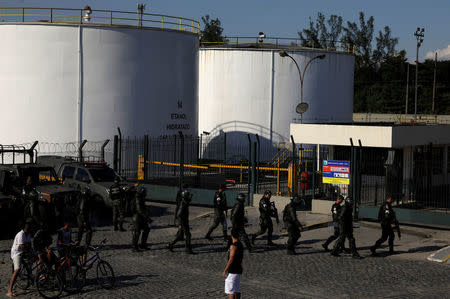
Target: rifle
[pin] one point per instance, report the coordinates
(274, 211)
(397, 226)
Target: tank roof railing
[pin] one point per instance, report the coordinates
(97, 17)
(276, 42)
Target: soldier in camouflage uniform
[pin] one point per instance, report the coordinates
(335, 212)
(220, 210)
(292, 224)
(183, 223)
(346, 230)
(387, 218)
(238, 220)
(140, 220)
(117, 195)
(265, 218)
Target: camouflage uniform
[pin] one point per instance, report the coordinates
(118, 199)
(140, 220)
(220, 208)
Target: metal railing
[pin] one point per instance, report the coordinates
(284, 42)
(97, 17)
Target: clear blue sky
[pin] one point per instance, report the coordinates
(286, 17)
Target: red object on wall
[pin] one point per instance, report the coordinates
(304, 179)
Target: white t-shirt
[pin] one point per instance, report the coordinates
(21, 239)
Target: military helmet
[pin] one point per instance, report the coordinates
(341, 197)
(349, 201)
(86, 191)
(116, 179)
(268, 192)
(296, 199)
(186, 195)
(240, 197)
(141, 191)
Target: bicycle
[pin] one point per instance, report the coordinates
(69, 269)
(104, 271)
(47, 281)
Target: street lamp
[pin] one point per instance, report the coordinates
(419, 36)
(302, 107)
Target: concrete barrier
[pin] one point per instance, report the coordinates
(321, 206)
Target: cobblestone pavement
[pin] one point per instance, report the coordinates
(268, 272)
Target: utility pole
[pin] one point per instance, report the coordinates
(434, 83)
(419, 36)
(407, 89)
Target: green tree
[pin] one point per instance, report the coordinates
(212, 31)
(322, 33)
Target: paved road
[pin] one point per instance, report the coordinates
(268, 272)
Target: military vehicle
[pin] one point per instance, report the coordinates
(55, 200)
(98, 176)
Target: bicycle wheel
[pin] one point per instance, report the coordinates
(71, 278)
(105, 275)
(49, 283)
(23, 279)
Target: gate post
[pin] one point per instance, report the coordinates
(253, 189)
(145, 157)
(181, 179)
(248, 170)
(116, 153)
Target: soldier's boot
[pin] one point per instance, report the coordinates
(144, 239)
(375, 246)
(225, 235)
(188, 248)
(208, 235)
(355, 253)
(269, 239)
(247, 242)
(391, 246)
(134, 241)
(116, 227)
(336, 248)
(290, 250)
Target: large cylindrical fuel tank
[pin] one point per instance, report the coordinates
(64, 83)
(256, 91)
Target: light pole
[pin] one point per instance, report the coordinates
(302, 77)
(419, 36)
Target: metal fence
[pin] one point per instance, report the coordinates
(417, 178)
(201, 163)
(97, 17)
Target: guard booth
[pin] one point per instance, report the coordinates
(407, 162)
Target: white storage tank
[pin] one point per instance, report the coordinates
(246, 90)
(63, 82)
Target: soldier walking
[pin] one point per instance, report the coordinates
(117, 195)
(388, 219)
(292, 224)
(238, 220)
(140, 220)
(335, 212)
(178, 202)
(346, 230)
(220, 210)
(183, 223)
(266, 212)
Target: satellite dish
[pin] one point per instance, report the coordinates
(302, 108)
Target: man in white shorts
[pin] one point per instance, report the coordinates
(234, 267)
(22, 243)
